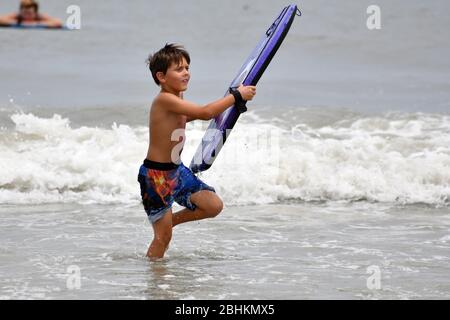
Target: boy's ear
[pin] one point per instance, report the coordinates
(161, 77)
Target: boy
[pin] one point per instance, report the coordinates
(162, 177)
(29, 15)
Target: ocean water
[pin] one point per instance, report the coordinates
(340, 167)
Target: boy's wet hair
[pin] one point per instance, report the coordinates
(161, 60)
(29, 4)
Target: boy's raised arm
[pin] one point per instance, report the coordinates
(207, 112)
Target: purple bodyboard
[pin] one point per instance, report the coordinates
(249, 74)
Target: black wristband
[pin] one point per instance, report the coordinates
(239, 102)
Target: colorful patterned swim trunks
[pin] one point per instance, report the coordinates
(163, 183)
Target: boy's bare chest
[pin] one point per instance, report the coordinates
(180, 121)
(168, 121)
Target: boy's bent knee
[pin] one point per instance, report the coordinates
(215, 207)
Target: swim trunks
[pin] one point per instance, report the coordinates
(163, 183)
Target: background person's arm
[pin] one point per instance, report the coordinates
(48, 21)
(8, 20)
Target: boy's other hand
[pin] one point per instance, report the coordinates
(247, 92)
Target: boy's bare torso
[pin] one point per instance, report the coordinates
(164, 136)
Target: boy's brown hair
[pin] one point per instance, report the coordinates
(161, 60)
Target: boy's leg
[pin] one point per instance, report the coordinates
(162, 236)
(208, 205)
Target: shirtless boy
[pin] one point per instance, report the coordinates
(163, 178)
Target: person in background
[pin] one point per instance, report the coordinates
(29, 15)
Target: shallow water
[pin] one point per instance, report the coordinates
(291, 251)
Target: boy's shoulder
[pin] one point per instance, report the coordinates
(164, 98)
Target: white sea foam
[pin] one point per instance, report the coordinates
(392, 158)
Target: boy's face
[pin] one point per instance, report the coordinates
(177, 76)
